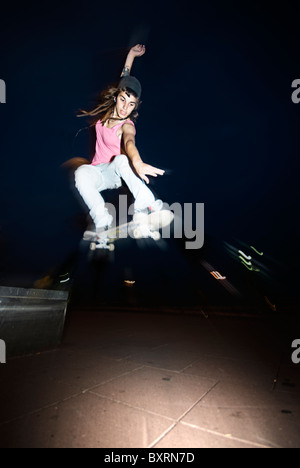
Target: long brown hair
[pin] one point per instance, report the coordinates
(106, 104)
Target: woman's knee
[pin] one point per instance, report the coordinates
(121, 161)
(85, 174)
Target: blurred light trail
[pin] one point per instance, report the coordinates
(217, 275)
(259, 253)
(225, 283)
(244, 255)
(245, 261)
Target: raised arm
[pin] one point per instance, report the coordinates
(137, 51)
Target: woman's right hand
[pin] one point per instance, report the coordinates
(138, 50)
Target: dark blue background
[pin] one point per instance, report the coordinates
(216, 113)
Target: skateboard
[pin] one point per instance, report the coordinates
(136, 229)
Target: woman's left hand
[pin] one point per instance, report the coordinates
(144, 169)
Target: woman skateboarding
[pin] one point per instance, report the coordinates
(116, 155)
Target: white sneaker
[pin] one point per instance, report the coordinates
(105, 223)
(156, 206)
(140, 217)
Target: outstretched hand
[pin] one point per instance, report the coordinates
(144, 169)
(138, 50)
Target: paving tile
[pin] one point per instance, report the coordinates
(261, 426)
(186, 437)
(163, 392)
(86, 421)
(149, 330)
(35, 381)
(166, 356)
(124, 379)
(289, 378)
(233, 394)
(249, 339)
(249, 413)
(238, 370)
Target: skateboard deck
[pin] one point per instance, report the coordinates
(136, 229)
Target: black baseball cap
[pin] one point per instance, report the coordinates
(132, 83)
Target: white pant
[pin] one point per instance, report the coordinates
(91, 180)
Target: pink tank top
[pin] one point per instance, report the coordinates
(108, 143)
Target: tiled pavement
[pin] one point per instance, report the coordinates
(124, 379)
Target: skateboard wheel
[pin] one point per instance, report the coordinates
(137, 233)
(111, 247)
(156, 235)
(93, 246)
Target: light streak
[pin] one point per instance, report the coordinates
(245, 261)
(64, 281)
(244, 255)
(226, 284)
(250, 268)
(217, 275)
(270, 303)
(129, 283)
(259, 253)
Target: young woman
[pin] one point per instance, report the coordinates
(115, 129)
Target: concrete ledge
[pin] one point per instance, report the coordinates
(31, 320)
